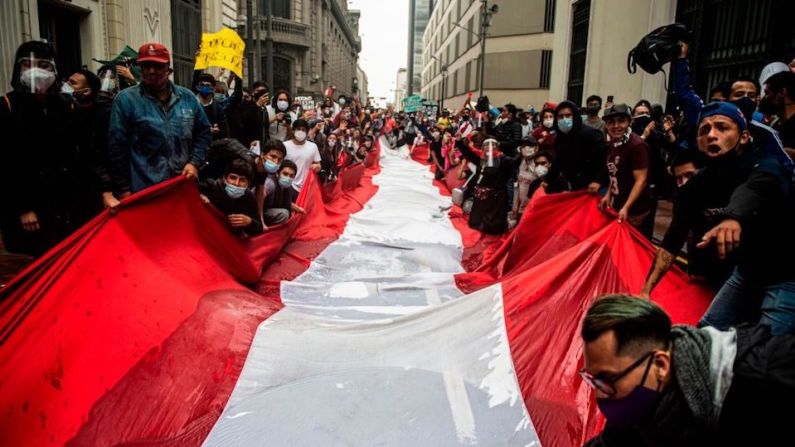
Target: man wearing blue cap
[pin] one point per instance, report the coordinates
(740, 204)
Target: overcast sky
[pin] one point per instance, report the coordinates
(384, 27)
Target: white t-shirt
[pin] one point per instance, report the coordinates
(303, 156)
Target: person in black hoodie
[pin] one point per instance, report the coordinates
(232, 196)
(204, 87)
(580, 151)
(37, 162)
(509, 131)
(740, 204)
(88, 131)
(100, 163)
(490, 207)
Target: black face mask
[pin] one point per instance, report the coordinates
(767, 106)
(593, 110)
(728, 161)
(639, 124)
(747, 106)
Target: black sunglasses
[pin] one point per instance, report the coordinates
(607, 384)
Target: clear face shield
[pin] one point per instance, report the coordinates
(110, 81)
(490, 147)
(36, 73)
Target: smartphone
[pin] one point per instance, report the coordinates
(610, 98)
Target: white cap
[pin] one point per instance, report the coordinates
(771, 69)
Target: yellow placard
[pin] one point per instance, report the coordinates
(222, 49)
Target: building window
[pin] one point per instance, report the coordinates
(734, 38)
(468, 76)
(186, 22)
(581, 11)
(549, 16)
(546, 69)
(280, 8)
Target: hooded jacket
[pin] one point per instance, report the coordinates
(581, 153)
(38, 164)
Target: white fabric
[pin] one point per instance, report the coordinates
(303, 155)
(722, 353)
(375, 345)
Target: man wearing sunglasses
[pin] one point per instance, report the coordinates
(663, 385)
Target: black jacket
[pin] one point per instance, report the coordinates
(509, 134)
(39, 172)
(752, 188)
(757, 410)
(247, 204)
(581, 154)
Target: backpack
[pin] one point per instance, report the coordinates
(658, 48)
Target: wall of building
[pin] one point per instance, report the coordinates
(105, 27)
(517, 53)
(611, 35)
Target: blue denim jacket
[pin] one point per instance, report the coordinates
(149, 143)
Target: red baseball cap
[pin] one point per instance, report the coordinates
(154, 52)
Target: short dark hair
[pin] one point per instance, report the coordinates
(546, 154)
(259, 84)
(511, 109)
(300, 122)
(780, 81)
(241, 167)
(638, 324)
(93, 81)
(746, 79)
(289, 164)
(205, 77)
(275, 145)
(685, 157)
(596, 98)
(642, 102)
(722, 87)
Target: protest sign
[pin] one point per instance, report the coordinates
(222, 49)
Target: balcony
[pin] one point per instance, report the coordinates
(287, 31)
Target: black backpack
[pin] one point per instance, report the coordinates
(483, 104)
(658, 48)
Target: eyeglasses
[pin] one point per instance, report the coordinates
(606, 384)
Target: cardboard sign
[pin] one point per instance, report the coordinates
(307, 102)
(222, 49)
(412, 104)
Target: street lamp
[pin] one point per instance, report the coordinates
(444, 76)
(485, 21)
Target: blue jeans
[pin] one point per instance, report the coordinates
(741, 300)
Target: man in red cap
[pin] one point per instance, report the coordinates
(158, 129)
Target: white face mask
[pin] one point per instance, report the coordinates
(67, 89)
(548, 123)
(300, 135)
(342, 101)
(332, 143)
(541, 171)
(282, 105)
(38, 80)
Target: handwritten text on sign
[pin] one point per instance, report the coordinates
(222, 49)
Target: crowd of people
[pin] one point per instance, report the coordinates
(726, 165)
(76, 146)
(83, 141)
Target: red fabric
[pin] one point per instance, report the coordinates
(135, 329)
(562, 255)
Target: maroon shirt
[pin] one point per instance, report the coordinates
(621, 161)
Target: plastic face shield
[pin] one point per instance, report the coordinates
(489, 147)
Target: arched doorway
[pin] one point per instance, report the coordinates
(282, 73)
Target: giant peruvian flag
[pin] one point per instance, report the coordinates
(354, 324)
